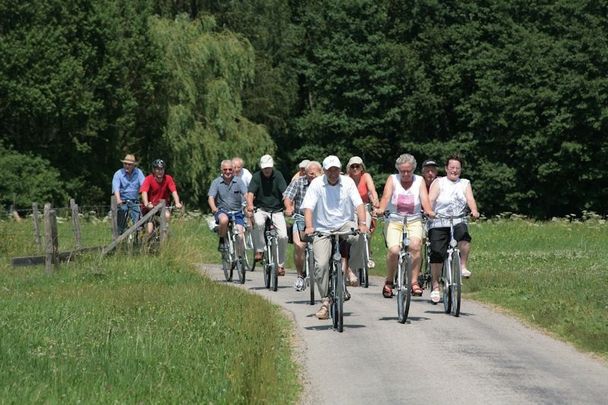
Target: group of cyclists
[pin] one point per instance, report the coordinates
(322, 199)
(129, 182)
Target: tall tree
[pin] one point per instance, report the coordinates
(207, 72)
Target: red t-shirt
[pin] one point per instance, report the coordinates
(158, 191)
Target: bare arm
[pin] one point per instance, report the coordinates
(144, 198)
(361, 214)
(371, 187)
(425, 201)
(308, 221)
(211, 202)
(386, 195)
(249, 204)
(471, 201)
(175, 196)
(288, 203)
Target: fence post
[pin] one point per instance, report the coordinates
(75, 222)
(114, 217)
(50, 236)
(164, 225)
(36, 220)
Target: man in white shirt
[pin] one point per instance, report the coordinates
(329, 205)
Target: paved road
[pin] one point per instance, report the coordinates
(482, 357)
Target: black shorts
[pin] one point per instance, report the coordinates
(440, 238)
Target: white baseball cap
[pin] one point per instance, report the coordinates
(304, 163)
(266, 161)
(331, 161)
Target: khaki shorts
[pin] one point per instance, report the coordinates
(394, 230)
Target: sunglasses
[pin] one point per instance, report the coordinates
(355, 166)
(227, 170)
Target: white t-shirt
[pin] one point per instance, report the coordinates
(406, 202)
(245, 176)
(332, 206)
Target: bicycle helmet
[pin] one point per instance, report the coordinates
(158, 163)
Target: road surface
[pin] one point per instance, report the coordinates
(481, 357)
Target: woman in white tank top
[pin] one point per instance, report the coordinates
(449, 195)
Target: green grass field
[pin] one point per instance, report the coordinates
(152, 329)
(145, 329)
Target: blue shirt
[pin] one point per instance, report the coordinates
(228, 196)
(127, 185)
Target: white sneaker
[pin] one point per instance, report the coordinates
(371, 264)
(465, 272)
(435, 296)
(299, 284)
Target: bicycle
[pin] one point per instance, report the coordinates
(451, 277)
(309, 261)
(270, 261)
(125, 222)
(403, 276)
(233, 250)
(337, 285)
(425, 278)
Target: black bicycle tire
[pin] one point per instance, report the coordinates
(340, 300)
(309, 262)
(241, 268)
(227, 265)
(456, 285)
(447, 289)
(275, 265)
(364, 272)
(404, 294)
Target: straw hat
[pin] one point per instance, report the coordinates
(129, 159)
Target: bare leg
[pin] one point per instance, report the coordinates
(465, 248)
(414, 250)
(392, 258)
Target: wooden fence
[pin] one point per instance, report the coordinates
(48, 244)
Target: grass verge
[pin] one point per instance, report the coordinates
(140, 329)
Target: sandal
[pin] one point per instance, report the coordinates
(387, 290)
(280, 271)
(353, 281)
(416, 290)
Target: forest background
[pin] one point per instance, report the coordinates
(518, 88)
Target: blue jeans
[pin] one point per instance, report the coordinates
(130, 208)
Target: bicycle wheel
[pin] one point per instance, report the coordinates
(227, 264)
(447, 286)
(240, 261)
(364, 271)
(275, 266)
(456, 286)
(309, 271)
(404, 293)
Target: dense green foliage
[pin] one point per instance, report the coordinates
(518, 88)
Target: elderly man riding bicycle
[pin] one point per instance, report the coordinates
(329, 205)
(227, 194)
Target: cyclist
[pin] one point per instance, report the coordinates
(301, 169)
(158, 186)
(227, 193)
(240, 171)
(265, 192)
(125, 187)
(404, 194)
(429, 172)
(367, 190)
(292, 199)
(450, 195)
(329, 205)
